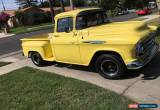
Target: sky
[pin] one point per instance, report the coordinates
(9, 4)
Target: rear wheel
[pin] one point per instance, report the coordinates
(37, 59)
(110, 66)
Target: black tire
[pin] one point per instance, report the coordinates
(110, 66)
(37, 59)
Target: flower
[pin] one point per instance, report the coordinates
(4, 17)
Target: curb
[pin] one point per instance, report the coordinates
(10, 54)
(6, 35)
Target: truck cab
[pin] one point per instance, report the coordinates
(87, 37)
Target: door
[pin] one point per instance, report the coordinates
(65, 42)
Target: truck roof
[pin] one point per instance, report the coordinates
(74, 12)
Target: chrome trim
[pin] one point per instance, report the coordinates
(94, 42)
(141, 63)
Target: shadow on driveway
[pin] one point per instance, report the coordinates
(149, 72)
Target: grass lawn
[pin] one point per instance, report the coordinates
(4, 63)
(31, 89)
(158, 39)
(25, 29)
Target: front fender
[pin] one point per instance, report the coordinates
(126, 53)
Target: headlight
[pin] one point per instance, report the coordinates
(139, 50)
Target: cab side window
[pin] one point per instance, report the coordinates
(65, 23)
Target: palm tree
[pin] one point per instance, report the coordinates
(158, 5)
(3, 5)
(62, 5)
(98, 1)
(52, 9)
(71, 4)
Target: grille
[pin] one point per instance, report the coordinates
(148, 45)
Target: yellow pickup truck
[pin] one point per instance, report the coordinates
(87, 37)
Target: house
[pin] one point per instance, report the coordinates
(31, 10)
(13, 21)
(57, 9)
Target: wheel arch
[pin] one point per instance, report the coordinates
(30, 52)
(99, 53)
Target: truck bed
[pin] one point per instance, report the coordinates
(43, 37)
(40, 44)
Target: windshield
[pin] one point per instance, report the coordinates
(92, 19)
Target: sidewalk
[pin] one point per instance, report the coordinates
(2, 35)
(141, 86)
(136, 88)
(149, 18)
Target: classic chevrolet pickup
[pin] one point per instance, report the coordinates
(87, 37)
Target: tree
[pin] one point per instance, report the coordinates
(158, 5)
(44, 4)
(132, 4)
(51, 2)
(26, 3)
(4, 8)
(109, 4)
(71, 4)
(98, 1)
(79, 3)
(62, 5)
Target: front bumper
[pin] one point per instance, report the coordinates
(141, 63)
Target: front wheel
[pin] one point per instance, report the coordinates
(37, 59)
(110, 66)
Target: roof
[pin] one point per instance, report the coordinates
(56, 8)
(31, 9)
(74, 12)
(10, 12)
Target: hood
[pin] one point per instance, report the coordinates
(125, 31)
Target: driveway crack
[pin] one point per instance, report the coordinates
(129, 87)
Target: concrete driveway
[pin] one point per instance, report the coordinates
(142, 86)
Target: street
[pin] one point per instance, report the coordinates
(124, 17)
(11, 44)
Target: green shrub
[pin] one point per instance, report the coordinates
(20, 16)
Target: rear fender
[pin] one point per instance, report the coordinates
(42, 47)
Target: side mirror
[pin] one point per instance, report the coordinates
(67, 29)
